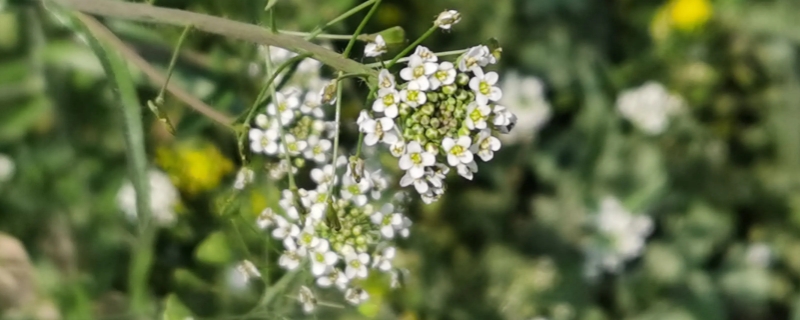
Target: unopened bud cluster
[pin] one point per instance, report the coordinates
(441, 115)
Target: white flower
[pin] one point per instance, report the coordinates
(379, 184)
(485, 145)
(412, 95)
(418, 71)
(285, 229)
(277, 55)
(292, 255)
(248, 270)
(388, 221)
(621, 236)
(478, 56)
(244, 177)
(483, 84)
(758, 255)
(356, 263)
(354, 191)
(649, 107)
(447, 19)
(356, 295)
(286, 103)
(467, 169)
(294, 146)
(324, 176)
(312, 105)
(163, 198)
(277, 172)
(445, 75)
(307, 239)
(420, 183)
(385, 79)
(378, 130)
(477, 115)
(322, 259)
(317, 149)
(307, 299)
(334, 277)
(377, 48)
(406, 228)
(263, 141)
(383, 260)
(266, 218)
(387, 102)
(362, 116)
(528, 109)
(398, 148)
(415, 160)
(7, 168)
(263, 121)
(457, 150)
(426, 54)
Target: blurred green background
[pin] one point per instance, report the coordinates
(720, 182)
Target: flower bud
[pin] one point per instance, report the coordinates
(410, 121)
(459, 113)
(432, 96)
(427, 109)
(464, 131)
(432, 134)
(449, 89)
(462, 79)
(462, 95)
(435, 123)
(425, 120)
(357, 230)
(431, 147)
(360, 240)
(299, 162)
(404, 110)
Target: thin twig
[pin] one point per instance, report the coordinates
(231, 29)
(155, 76)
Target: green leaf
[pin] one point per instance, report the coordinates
(392, 36)
(214, 249)
(174, 309)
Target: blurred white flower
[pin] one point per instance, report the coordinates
(307, 299)
(649, 107)
(163, 198)
(356, 295)
(376, 48)
(7, 168)
(524, 97)
(758, 255)
(244, 177)
(620, 236)
(447, 19)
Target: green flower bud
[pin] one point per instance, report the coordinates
(404, 110)
(442, 96)
(462, 95)
(410, 121)
(462, 79)
(449, 89)
(460, 113)
(299, 162)
(360, 240)
(425, 120)
(435, 123)
(357, 230)
(432, 134)
(427, 109)
(417, 129)
(463, 131)
(432, 147)
(432, 96)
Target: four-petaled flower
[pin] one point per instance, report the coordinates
(322, 259)
(356, 263)
(483, 84)
(477, 115)
(447, 19)
(485, 145)
(415, 160)
(376, 48)
(387, 102)
(457, 150)
(379, 130)
(418, 71)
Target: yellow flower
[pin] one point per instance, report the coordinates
(689, 14)
(194, 169)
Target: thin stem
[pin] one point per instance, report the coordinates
(231, 29)
(155, 76)
(313, 34)
(173, 60)
(361, 133)
(360, 28)
(319, 36)
(273, 92)
(412, 45)
(336, 121)
(404, 59)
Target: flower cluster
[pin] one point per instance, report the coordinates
(649, 107)
(341, 236)
(620, 236)
(164, 198)
(439, 115)
(296, 110)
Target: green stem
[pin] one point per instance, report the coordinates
(404, 59)
(336, 122)
(231, 29)
(306, 35)
(172, 62)
(314, 33)
(412, 46)
(360, 27)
